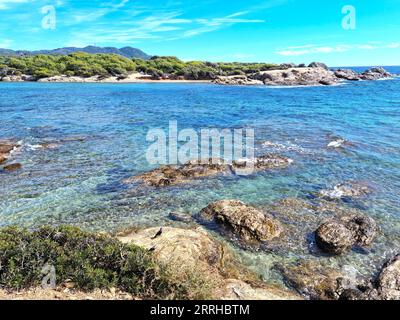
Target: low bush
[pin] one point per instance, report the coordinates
(89, 260)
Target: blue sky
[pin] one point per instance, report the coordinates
(216, 30)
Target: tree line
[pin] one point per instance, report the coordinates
(106, 65)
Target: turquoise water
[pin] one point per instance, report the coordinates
(100, 131)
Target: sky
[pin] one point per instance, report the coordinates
(337, 32)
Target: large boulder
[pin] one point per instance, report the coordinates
(334, 237)
(339, 235)
(247, 222)
(318, 65)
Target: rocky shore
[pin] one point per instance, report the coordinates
(313, 75)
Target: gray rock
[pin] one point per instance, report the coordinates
(318, 65)
(347, 74)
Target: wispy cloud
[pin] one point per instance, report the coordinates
(6, 43)
(168, 25)
(87, 16)
(5, 4)
(313, 49)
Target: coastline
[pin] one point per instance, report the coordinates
(314, 75)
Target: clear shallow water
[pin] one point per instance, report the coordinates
(101, 130)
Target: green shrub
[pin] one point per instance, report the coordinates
(105, 65)
(89, 260)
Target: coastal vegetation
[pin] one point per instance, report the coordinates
(89, 260)
(106, 65)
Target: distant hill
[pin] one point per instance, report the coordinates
(128, 52)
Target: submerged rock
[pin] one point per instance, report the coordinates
(350, 189)
(339, 235)
(173, 175)
(316, 281)
(12, 167)
(180, 216)
(245, 221)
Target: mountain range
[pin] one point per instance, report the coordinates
(128, 52)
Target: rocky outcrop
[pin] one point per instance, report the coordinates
(291, 75)
(192, 252)
(296, 77)
(387, 285)
(375, 74)
(173, 175)
(246, 222)
(316, 281)
(350, 189)
(339, 235)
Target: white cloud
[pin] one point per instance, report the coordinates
(313, 49)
